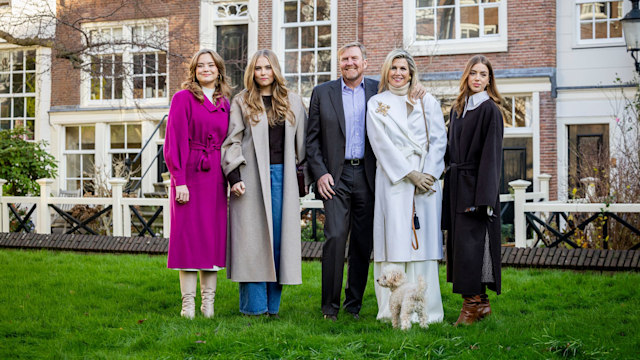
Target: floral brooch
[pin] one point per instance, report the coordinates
(382, 108)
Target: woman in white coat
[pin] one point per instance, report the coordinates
(409, 140)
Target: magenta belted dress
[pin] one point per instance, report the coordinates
(194, 135)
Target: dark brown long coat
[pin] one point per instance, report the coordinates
(474, 157)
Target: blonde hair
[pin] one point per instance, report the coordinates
(386, 67)
(280, 109)
(346, 46)
(222, 88)
(492, 89)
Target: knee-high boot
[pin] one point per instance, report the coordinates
(469, 312)
(188, 285)
(208, 281)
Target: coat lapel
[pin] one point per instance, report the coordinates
(336, 100)
(260, 136)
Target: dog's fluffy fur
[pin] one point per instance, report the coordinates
(406, 298)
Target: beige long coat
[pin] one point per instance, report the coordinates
(249, 248)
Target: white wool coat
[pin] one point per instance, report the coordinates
(399, 142)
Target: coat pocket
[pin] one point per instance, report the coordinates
(466, 192)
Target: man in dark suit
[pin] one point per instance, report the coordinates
(342, 163)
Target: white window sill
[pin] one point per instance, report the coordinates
(451, 47)
(591, 44)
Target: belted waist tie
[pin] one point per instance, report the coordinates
(207, 149)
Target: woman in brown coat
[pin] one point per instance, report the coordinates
(264, 144)
(471, 211)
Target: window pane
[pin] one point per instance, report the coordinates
(31, 60)
(291, 62)
(88, 166)
(307, 62)
(138, 61)
(18, 83)
(491, 21)
(73, 184)
(424, 24)
(323, 79)
(73, 165)
(445, 2)
(292, 83)
(162, 63)
(291, 38)
(88, 137)
(138, 87)
(507, 110)
(424, 3)
(522, 112)
(601, 30)
(107, 84)
(117, 88)
(290, 11)
(162, 86)
(5, 109)
(150, 61)
(18, 58)
(469, 22)
(71, 137)
(5, 124)
(615, 29)
(306, 85)
(446, 23)
(615, 10)
(117, 136)
(324, 61)
(324, 36)
(95, 88)
(18, 107)
(586, 31)
(30, 85)
(134, 136)
(5, 60)
(308, 37)
(323, 9)
(150, 87)
(4, 84)
(31, 107)
(306, 10)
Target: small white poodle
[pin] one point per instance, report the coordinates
(406, 298)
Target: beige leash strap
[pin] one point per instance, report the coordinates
(426, 127)
(414, 241)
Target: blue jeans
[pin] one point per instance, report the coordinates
(261, 297)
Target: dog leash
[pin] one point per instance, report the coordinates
(414, 241)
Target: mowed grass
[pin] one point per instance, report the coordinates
(65, 305)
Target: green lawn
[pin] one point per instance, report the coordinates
(76, 306)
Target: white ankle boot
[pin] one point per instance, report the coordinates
(188, 285)
(208, 280)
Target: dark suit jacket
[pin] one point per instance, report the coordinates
(326, 132)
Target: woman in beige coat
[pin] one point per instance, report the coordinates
(264, 144)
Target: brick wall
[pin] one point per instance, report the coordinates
(265, 24)
(548, 147)
(531, 33)
(183, 19)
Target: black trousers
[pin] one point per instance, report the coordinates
(348, 215)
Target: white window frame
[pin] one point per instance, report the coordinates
(126, 149)
(279, 32)
(78, 151)
(580, 43)
(208, 29)
(486, 44)
(127, 53)
(24, 94)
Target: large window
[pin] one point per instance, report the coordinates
(18, 90)
(307, 43)
(79, 155)
(450, 22)
(128, 62)
(126, 142)
(599, 21)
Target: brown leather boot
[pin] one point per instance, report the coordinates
(469, 312)
(484, 309)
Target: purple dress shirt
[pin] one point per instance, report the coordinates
(353, 102)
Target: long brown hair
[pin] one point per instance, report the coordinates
(280, 110)
(465, 92)
(222, 87)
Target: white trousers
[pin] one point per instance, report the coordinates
(429, 271)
